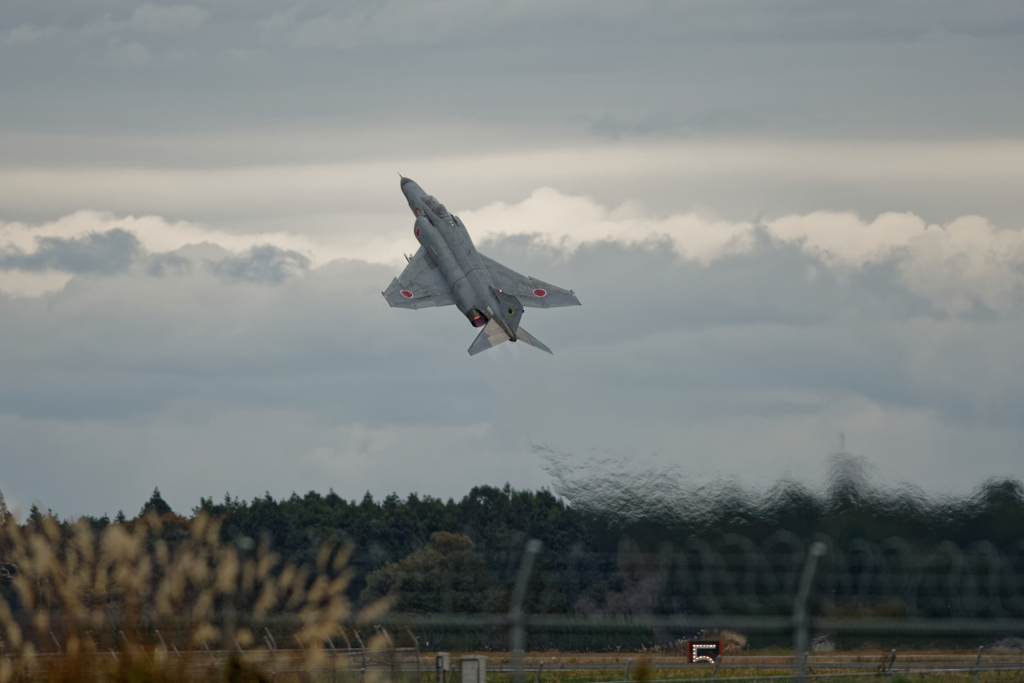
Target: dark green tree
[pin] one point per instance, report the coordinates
(447, 575)
(156, 504)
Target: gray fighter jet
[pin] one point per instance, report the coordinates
(447, 269)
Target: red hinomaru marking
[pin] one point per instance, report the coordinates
(407, 294)
(417, 232)
(539, 292)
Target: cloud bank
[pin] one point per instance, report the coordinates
(725, 349)
(961, 267)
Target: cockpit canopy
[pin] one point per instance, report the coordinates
(435, 206)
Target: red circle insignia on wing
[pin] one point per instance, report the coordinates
(406, 293)
(540, 292)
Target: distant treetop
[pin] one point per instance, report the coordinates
(157, 504)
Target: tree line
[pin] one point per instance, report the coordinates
(463, 555)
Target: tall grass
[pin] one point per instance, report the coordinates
(124, 606)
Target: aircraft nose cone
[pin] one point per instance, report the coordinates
(405, 181)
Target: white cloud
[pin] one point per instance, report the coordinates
(21, 283)
(955, 265)
(567, 222)
(27, 33)
(844, 238)
(156, 234)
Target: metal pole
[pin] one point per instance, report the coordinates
(801, 619)
(977, 661)
(516, 617)
(334, 661)
(416, 644)
(625, 676)
(272, 646)
(362, 649)
(348, 657)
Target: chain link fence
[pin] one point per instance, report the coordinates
(806, 601)
(801, 596)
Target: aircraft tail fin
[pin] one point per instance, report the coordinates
(493, 334)
(490, 336)
(525, 336)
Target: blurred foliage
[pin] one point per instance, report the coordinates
(127, 605)
(444, 576)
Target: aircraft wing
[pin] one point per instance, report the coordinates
(420, 285)
(530, 291)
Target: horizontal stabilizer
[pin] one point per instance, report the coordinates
(491, 335)
(525, 336)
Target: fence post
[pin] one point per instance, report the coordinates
(272, 646)
(334, 660)
(977, 662)
(348, 657)
(416, 644)
(801, 619)
(362, 650)
(516, 616)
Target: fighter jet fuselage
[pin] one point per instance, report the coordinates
(448, 269)
(446, 241)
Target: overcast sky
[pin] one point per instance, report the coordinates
(785, 220)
